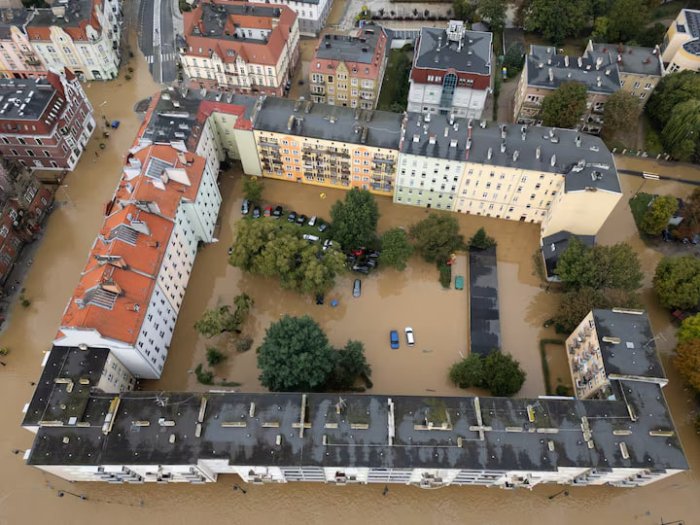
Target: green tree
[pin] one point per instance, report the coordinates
(214, 356)
(253, 188)
(687, 361)
(514, 59)
(295, 356)
(677, 282)
(621, 113)
(464, 10)
(672, 90)
(437, 237)
(681, 134)
(574, 305)
(350, 365)
(556, 19)
(493, 11)
(627, 18)
(564, 107)
(469, 372)
(690, 329)
(600, 267)
(243, 303)
(206, 377)
(355, 219)
(480, 240)
(658, 214)
(502, 374)
(396, 249)
(214, 322)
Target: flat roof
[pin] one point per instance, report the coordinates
(345, 48)
(548, 69)
(631, 59)
(353, 430)
(25, 98)
(75, 12)
(380, 129)
(215, 21)
(470, 54)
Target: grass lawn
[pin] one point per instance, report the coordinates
(394, 94)
(639, 204)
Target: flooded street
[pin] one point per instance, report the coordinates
(389, 300)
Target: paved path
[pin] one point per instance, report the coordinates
(157, 38)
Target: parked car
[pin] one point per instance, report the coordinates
(360, 268)
(277, 212)
(322, 227)
(319, 299)
(268, 211)
(327, 244)
(410, 339)
(357, 288)
(394, 339)
(301, 219)
(371, 263)
(310, 238)
(373, 255)
(359, 252)
(245, 207)
(312, 221)
(256, 212)
(292, 216)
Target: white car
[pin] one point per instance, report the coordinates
(310, 238)
(312, 221)
(410, 340)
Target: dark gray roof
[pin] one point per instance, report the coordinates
(472, 56)
(485, 324)
(633, 351)
(349, 48)
(547, 69)
(692, 47)
(10, 18)
(214, 18)
(51, 400)
(630, 59)
(448, 142)
(380, 129)
(429, 432)
(556, 244)
(75, 12)
(24, 99)
(692, 18)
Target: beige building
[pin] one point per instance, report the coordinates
(348, 71)
(640, 69)
(18, 59)
(327, 145)
(681, 46)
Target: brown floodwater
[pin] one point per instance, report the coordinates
(388, 300)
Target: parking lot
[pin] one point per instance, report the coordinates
(389, 300)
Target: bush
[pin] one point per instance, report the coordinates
(468, 373)
(445, 275)
(214, 356)
(481, 241)
(497, 372)
(206, 377)
(562, 390)
(4, 350)
(244, 344)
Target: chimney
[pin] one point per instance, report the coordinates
(550, 73)
(431, 139)
(489, 153)
(503, 147)
(538, 152)
(566, 60)
(598, 81)
(580, 62)
(516, 154)
(453, 143)
(416, 137)
(578, 141)
(598, 62)
(553, 160)
(447, 131)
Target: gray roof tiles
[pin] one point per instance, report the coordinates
(349, 49)
(75, 12)
(435, 51)
(24, 99)
(630, 59)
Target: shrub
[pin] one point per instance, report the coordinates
(562, 390)
(214, 356)
(469, 372)
(244, 344)
(206, 377)
(4, 350)
(481, 241)
(445, 275)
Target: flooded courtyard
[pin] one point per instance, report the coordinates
(389, 300)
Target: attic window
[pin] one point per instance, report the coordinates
(629, 344)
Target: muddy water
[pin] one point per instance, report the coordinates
(28, 496)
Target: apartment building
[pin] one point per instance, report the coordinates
(348, 71)
(532, 174)
(45, 123)
(312, 14)
(451, 71)
(326, 145)
(545, 70)
(131, 290)
(240, 47)
(681, 46)
(17, 56)
(83, 35)
(639, 68)
(69, 377)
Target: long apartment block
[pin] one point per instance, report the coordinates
(89, 429)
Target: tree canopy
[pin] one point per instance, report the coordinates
(556, 19)
(575, 304)
(253, 188)
(295, 356)
(464, 10)
(658, 214)
(621, 112)
(274, 249)
(437, 237)
(677, 282)
(396, 249)
(564, 107)
(681, 134)
(625, 20)
(480, 240)
(600, 267)
(493, 11)
(687, 361)
(469, 372)
(497, 372)
(355, 219)
(690, 329)
(218, 320)
(350, 364)
(672, 90)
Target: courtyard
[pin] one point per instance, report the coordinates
(390, 300)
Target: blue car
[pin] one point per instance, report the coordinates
(394, 339)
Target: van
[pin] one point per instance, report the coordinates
(310, 238)
(410, 340)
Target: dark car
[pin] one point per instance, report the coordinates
(245, 207)
(371, 263)
(319, 299)
(292, 216)
(256, 212)
(322, 227)
(373, 255)
(360, 268)
(357, 288)
(277, 212)
(301, 219)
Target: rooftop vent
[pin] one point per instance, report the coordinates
(503, 147)
(416, 137)
(431, 139)
(516, 153)
(538, 152)
(553, 160)
(453, 143)
(489, 153)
